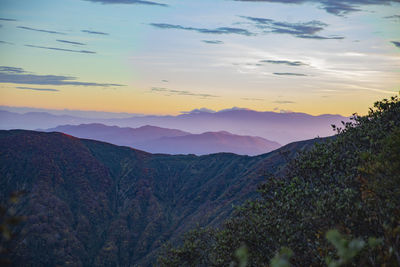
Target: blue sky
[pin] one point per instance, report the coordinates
(163, 57)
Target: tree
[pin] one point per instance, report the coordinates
(349, 183)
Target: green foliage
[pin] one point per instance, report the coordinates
(242, 255)
(350, 183)
(346, 250)
(282, 258)
(8, 221)
(192, 252)
(93, 204)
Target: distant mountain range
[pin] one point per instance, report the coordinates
(280, 127)
(35, 120)
(89, 203)
(170, 141)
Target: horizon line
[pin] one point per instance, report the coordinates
(193, 111)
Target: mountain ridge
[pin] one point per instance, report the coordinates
(280, 127)
(170, 141)
(94, 203)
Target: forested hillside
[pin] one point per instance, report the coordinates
(88, 203)
(350, 183)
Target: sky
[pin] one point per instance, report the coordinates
(171, 56)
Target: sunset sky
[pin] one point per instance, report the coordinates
(169, 56)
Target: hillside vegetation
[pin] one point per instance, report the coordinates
(350, 183)
(89, 203)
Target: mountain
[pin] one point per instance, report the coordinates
(170, 141)
(89, 203)
(280, 127)
(34, 120)
(72, 112)
(211, 142)
(337, 204)
(116, 135)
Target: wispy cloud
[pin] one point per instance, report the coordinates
(252, 99)
(62, 49)
(4, 42)
(336, 7)
(284, 62)
(289, 74)
(169, 92)
(70, 42)
(392, 17)
(198, 110)
(252, 64)
(40, 30)
(38, 89)
(306, 30)
(165, 81)
(4, 19)
(284, 102)
(138, 2)
(212, 42)
(20, 76)
(94, 32)
(220, 30)
(318, 37)
(397, 44)
(11, 69)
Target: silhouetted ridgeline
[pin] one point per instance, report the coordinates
(171, 141)
(93, 203)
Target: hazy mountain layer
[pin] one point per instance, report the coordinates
(170, 141)
(280, 127)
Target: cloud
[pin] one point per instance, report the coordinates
(138, 2)
(62, 49)
(340, 7)
(220, 30)
(20, 76)
(306, 30)
(38, 89)
(4, 42)
(318, 37)
(94, 32)
(40, 30)
(397, 44)
(165, 81)
(284, 102)
(254, 64)
(212, 42)
(4, 19)
(252, 99)
(392, 17)
(289, 74)
(159, 89)
(234, 109)
(285, 111)
(170, 92)
(285, 62)
(11, 69)
(336, 7)
(70, 42)
(198, 110)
